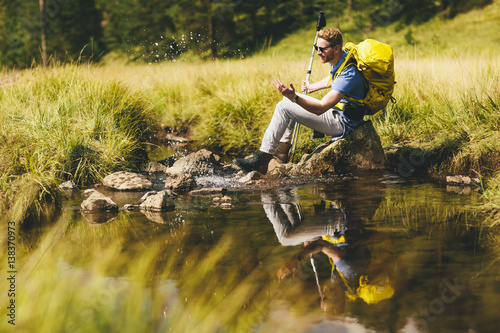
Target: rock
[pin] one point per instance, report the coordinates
(253, 175)
(224, 199)
(129, 207)
(146, 195)
(154, 167)
(462, 180)
(360, 150)
(69, 185)
(98, 202)
(88, 192)
(230, 169)
(159, 202)
(277, 169)
(199, 163)
(127, 181)
(226, 205)
(182, 182)
(255, 182)
(208, 191)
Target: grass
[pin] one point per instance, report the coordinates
(491, 204)
(81, 122)
(61, 123)
(452, 103)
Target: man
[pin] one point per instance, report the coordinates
(323, 115)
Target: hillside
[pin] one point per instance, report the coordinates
(477, 31)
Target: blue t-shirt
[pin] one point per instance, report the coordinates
(350, 82)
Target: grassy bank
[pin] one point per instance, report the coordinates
(64, 123)
(81, 122)
(450, 106)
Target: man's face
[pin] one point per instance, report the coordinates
(326, 51)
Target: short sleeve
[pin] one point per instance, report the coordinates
(350, 82)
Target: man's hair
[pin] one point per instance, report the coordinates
(332, 35)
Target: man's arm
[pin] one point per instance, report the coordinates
(309, 88)
(326, 103)
(292, 263)
(316, 107)
(310, 248)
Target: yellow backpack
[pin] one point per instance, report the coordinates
(375, 60)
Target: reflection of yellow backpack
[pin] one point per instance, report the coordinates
(371, 292)
(375, 61)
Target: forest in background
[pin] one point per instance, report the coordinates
(38, 31)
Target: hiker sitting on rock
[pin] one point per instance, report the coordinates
(335, 114)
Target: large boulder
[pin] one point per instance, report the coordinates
(360, 150)
(200, 163)
(98, 202)
(162, 201)
(182, 182)
(127, 181)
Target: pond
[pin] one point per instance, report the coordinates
(374, 252)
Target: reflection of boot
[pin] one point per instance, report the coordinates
(282, 151)
(257, 162)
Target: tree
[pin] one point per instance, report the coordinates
(38, 30)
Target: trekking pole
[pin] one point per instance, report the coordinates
(319, 25)
(316, 275)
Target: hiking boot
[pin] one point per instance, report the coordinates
(257, 162)
(282, 152)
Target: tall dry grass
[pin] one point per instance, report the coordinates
(66, 123)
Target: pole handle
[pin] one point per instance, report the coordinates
(321, 21)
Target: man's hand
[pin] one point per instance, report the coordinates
(306, 87)
(288, 92)
(288, 267)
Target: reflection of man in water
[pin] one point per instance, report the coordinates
(363, 264)
(363, 261)
(292, 228)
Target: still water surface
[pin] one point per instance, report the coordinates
(371, 253)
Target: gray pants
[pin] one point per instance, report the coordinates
(292, 229)
(285, 116)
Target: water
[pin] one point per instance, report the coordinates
(409, 257)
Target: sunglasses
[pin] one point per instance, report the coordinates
(322, 49)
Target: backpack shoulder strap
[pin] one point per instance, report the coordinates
(349, 60)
